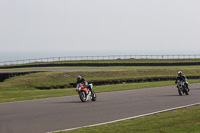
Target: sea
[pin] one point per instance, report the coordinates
(26, 55)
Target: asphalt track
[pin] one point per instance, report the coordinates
(52, 114)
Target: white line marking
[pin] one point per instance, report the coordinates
(128, 118)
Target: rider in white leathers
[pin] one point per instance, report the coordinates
(183, 78)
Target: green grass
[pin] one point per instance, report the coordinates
(61, 78)
(119, 87)
(76, 68)
(183, 120)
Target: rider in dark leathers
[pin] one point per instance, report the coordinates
(183, 78)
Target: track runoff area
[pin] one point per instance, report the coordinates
(162, 111)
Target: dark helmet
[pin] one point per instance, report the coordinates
(78, 77)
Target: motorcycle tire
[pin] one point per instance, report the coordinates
(82, 96)
(186, 91)
(180, 92)
(94, 96)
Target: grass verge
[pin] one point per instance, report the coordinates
(64, 78)
(77, 68)
(182, 120)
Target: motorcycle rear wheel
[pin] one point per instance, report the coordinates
(94, 96)
(186, 91)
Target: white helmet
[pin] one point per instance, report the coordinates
(78, 77)
(179, 73)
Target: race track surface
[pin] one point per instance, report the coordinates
(52, 114)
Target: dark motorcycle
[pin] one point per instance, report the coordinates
(182, 88)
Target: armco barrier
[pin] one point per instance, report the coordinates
(107, 57)
(7, 75)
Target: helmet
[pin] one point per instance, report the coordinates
(78, 77)
(180, 73)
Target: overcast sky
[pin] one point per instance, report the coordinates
(128, 26)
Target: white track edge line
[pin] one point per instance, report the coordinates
(166, 110)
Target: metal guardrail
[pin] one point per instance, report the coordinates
(108, 57)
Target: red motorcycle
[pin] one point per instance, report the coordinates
(84, 93)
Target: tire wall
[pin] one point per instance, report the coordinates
(104, 64)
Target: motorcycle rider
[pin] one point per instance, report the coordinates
(83, 81)
(182, 78)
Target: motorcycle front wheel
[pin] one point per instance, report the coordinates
(82, 96)
(180, 92)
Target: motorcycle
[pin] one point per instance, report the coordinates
(182, 88)
(84, 93)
